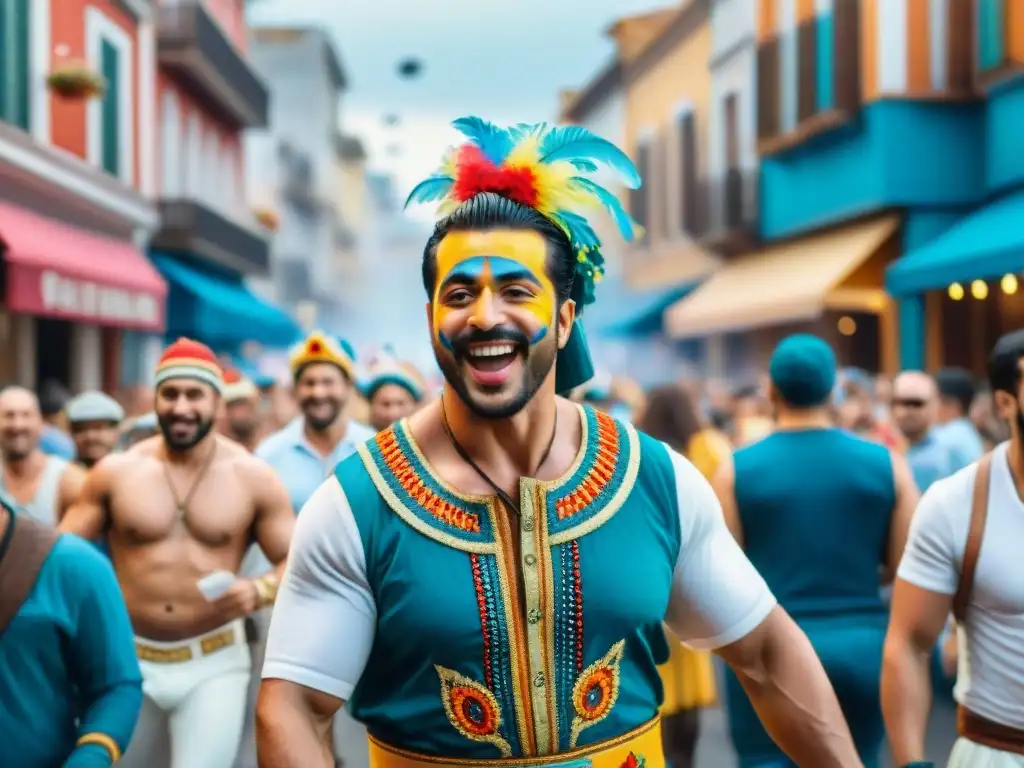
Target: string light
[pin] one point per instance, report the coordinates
(847, 325)
(1009, 284)
(979, 289)
(956, 291)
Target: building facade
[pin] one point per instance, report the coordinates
(209, 240)
(292, 165)
(77, 176)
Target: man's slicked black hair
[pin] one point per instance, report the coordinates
(957, 384)
(1004, 363)
(492, 211)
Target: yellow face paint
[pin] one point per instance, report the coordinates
(486, 263)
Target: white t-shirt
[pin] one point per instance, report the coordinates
(990, 680)
(717, 596)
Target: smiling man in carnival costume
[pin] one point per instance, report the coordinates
(392, 391)
(485, 583)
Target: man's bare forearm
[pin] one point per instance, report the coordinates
(795, 701)
(289, 732)
(906, 699)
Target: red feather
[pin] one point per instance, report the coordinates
(476, 173)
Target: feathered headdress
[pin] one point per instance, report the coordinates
(543, 167)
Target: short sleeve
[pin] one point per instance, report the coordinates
(931, 559)
(717, 596)
(323, 623)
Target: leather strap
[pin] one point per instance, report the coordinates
(30, 544)
(975, 534)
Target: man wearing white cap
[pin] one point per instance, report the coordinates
(95, 419)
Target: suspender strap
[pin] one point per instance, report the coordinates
(975, 534)
(29, 545)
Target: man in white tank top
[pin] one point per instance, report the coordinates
(990, 681)
(44, 486)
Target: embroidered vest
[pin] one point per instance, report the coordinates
(457, 669)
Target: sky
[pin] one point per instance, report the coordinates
(504, 61)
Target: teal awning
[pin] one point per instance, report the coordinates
(219, 310)
(985, 245)
(635, 313)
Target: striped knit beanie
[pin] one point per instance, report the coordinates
(188, 359)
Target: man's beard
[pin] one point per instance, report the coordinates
(166, 423)
(242, 429)
(538, 360)
(321, 423)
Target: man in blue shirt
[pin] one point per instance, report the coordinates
(956, 430)
(54, 441)
(309, 448)
(915, 408)
(303, 454)
(70, 686)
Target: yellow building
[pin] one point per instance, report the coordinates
(667, 86)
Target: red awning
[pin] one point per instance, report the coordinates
(56, 270)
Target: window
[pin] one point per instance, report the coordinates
(687, 137)
(171, 142)
(110, 68)
(194, 156)
(731, 213)
(807, 67)
(991, 34)
(14, 62)
(638, 199)
(111, 119)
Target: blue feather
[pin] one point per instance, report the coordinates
(576, 143)
(429, 190)
(610, 202)
(521, 131)
(493, 141)
(587, 166)
(581, 233)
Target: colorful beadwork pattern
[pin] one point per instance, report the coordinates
(600, 468)
(401, 467)
(472, 709)
(596, 691)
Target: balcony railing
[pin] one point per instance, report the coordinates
(192, 227)
(298, 185)
(720, 212)
(192, 46)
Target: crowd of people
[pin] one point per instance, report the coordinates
(526, 567)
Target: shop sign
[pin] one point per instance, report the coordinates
(101, 303)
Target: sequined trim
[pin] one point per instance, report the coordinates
(472, 709)
(596, 692)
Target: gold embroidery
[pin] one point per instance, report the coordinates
(508, 583)
(472, 709)
(596, 691)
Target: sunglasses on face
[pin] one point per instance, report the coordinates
(910, 402)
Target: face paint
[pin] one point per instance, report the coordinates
(499, 262)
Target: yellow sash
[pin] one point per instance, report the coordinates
(644, 742)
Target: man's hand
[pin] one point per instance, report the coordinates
(240, 600)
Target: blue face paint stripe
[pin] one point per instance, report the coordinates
(539, 335)
(502, 269)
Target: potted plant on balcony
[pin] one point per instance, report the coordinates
(76, 80)
(267, 219)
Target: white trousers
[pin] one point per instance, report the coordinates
(967, 754)
(193, 711)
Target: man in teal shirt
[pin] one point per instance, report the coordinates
(70, 686)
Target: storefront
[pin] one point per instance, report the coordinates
(69, 296)
(959, 292)
(828, 283)
(214, 306)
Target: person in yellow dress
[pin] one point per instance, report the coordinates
(688, 677)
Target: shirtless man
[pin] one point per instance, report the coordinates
(177, 508)
(44, 486)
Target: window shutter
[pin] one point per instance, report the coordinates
(638, 197)
(769, 97)
(688, 175)
(991, 34)
(20, 64)
(846, 54)
(110, 67)
(807, 70)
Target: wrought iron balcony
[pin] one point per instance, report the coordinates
(192, 47)
(192, 227)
